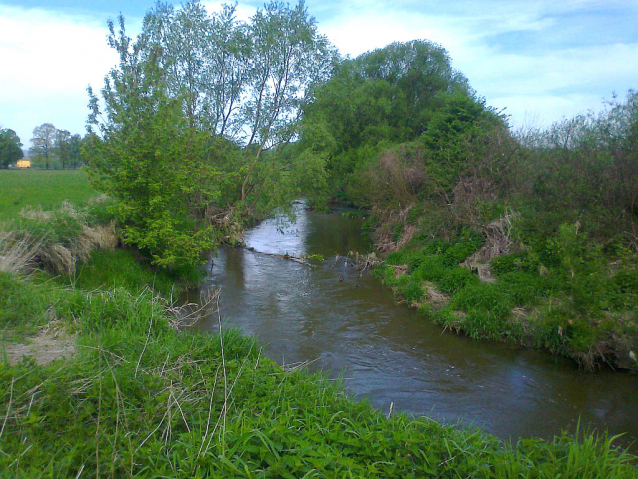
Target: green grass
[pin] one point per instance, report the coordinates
(108, 269)
(47, 189)
(139, 399)
(570, 309)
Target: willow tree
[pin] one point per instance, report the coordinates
(194, 119)
(288, 56)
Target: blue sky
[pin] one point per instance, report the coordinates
(542, 60)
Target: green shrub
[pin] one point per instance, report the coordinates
(397, 232)
(511, 263)
(456, 279)
(431, 268)
(410, 289)
(415, 215)
(119, 269)
(524, 289)
(481, 324)
(396, 258)
(459, 252)
(626, 281)
(483, 297)
(100, 212)
(623, 290)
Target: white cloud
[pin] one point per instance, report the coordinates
(49, 60)
(561, 82)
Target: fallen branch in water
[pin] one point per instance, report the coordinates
(305, 260)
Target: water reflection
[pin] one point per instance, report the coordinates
(388, 353)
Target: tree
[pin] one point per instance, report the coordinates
(75, 151)
(10, 147)
(43, 142)
(150, 159)
(379, 99)
(62, 147)
(196, 117)
(245, 82)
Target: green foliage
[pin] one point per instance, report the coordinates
(198, 120)
(110, 269)
(458, 252)
(10, 147)
(458, 143)
(61, 226)
(512, 263)
(152, 162)
(409, 289)
(524, 289)
(455, 279)
(381, 98)
(431, 268)
(23, 307)
(42, 144)
(484, 298)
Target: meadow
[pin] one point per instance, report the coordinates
(47, 189)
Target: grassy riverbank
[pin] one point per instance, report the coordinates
(134, 396)
(528, 237)
(140, 398)
(560, 292)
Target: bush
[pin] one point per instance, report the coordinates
(410, 289)
(524, 289)
(456, 279)
(511, 263)
(483, 298)
(119, 269)
(430, 268)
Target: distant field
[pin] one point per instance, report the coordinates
(41, 188)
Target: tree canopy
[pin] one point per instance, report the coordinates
(196, 120)
(10, 147)
(43, 143)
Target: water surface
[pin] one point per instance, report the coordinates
(390, 354)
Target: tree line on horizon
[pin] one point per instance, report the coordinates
(51, 148)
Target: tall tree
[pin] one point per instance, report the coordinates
(150, 158)
(10, 147)
(288, 56)
(62, 147)
(43, 142)
(75, 151)
(196, 117)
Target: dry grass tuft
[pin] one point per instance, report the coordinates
(21, 249)
(498, 243)
(16, 251)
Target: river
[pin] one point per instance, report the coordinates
(388, 353)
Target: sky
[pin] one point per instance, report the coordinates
(540, 60)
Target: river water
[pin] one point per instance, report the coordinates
(389, 353)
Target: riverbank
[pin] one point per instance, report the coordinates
(506, 280)
(135, 396)
(139, 397)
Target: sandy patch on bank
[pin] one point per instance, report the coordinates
(44, 348)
